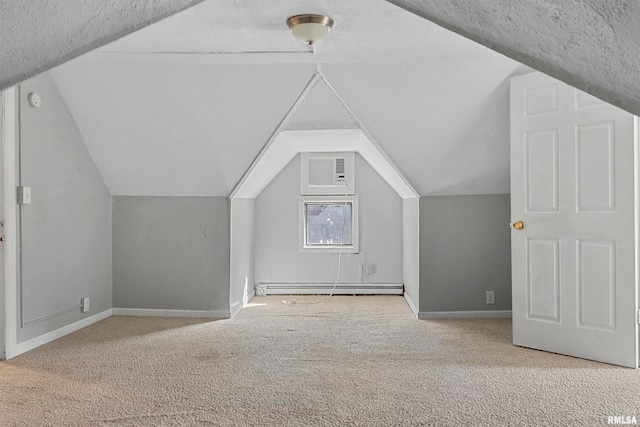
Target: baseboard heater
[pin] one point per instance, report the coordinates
(263, 289)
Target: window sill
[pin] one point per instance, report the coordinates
(328, 250)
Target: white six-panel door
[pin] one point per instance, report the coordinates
(572, 185)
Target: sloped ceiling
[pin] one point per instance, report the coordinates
(38, 35)
(178, 129)
(320, 109)
(184, 106)
(593, 45)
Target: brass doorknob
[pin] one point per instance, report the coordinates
(518, 225)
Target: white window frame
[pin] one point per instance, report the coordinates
(353, 247)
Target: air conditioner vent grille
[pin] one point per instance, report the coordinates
(340, 175)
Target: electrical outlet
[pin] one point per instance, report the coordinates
(490, 297)
(84, 305)
(24, 195)
(370, 269)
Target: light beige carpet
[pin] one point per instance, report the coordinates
(347, 361)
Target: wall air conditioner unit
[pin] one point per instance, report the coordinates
(327, 173)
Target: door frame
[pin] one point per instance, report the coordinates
(8, 281)
(636, 202)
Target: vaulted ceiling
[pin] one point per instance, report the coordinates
(38, 35)
(593, 45)
(184, 106)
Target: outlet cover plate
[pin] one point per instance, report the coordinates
(84, 305)
(490, 297)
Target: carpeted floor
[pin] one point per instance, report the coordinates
(346, 361)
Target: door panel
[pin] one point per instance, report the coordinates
(541, 99)
(541, 172)
(543, 280)
(597, 285)
(572, 183)
(596, 163)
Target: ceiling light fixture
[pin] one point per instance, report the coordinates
(310, 28)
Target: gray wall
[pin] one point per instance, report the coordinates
(465, 250)
(277, 256)
(171, 253)
(66, 231)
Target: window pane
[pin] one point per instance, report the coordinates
(328, 224)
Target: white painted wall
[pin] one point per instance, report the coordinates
(411, 252)
(321, 109)
(65, 233)
(10, 217)
(443, 123)
(277, 258)
(195, 135)
(242, 252)
(2, 257)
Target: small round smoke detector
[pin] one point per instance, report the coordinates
(34, 100)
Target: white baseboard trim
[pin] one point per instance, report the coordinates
(480, 314)
(210, 314)
(239, 306)
(236, 309)
(411, 305)
(327, 288)
(23, 347)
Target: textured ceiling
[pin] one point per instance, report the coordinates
(184, 106)
(593, 45)
(364, 30)
(40, 34)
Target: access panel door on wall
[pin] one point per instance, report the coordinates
(573, 222)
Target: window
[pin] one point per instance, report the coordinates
(329, 224)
